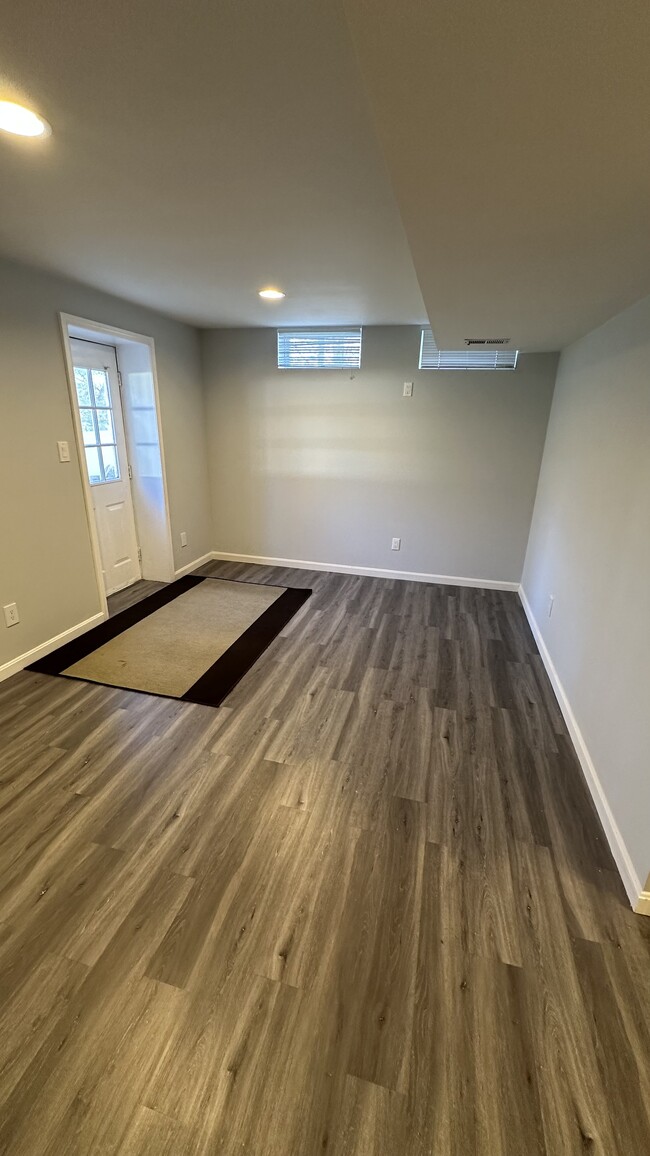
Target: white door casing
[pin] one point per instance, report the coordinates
(97, 397)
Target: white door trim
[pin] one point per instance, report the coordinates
(117, 336)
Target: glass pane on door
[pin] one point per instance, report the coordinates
(88, 427)
(94, 468)
(100, 387)
(97, 425)
(111, 467)
(105, 426)
(83, 386)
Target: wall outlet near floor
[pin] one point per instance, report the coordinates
(396, 544)
(551, 600)
(408, 389)
(183, 538)
(11, 614)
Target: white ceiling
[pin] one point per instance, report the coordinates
(202, 151)
(517, 134)
(199, 152)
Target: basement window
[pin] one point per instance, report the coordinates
(319, 348)
(433, 358)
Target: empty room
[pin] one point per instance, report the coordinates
(324, 578)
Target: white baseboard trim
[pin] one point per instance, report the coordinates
(631, 880)
(23, 660)
(642, 905)
(194, 565)
(364, 571)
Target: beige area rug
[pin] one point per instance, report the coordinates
(192, 640)
(168, 652)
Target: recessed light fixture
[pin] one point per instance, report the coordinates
(21, 121)
(271, 294)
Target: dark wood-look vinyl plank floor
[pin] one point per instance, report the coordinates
(365, 908)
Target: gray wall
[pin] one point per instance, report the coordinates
(590, 548)
(45, 557)
(320, 467)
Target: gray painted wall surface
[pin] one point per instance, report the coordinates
(590, 548)
(45, 557)
(323, 467)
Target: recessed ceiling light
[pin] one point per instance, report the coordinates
(21, 121)
(271, 294)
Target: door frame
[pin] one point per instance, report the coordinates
(110, 335)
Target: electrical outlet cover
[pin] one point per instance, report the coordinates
(11, 614)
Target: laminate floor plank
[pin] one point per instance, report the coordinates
(294, 931)
(474, 1084)
(42, 926)
(620, 1046)
(313, 726)
(508, 1110)
(365, 907)
(367, 749)
(44, 715)
(372, 1119)
(39, 863)
(575, 1107)
(212, 1081)
(222, 905)
(303, 782)
(132, 594)
(521, 791)
(39, 1002)
(380, 927)
(115, 1083)
(98, 1020)
(151, 1132)
(428, 756)
(28, 772)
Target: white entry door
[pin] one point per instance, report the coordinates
(102, 426)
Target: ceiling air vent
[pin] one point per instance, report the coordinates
(487, 341)
(483, 358)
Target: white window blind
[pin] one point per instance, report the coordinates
(319, 348)
(433, 358)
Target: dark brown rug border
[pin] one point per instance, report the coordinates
(220, 679)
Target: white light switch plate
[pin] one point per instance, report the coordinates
(64, 451)
(408, 389)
